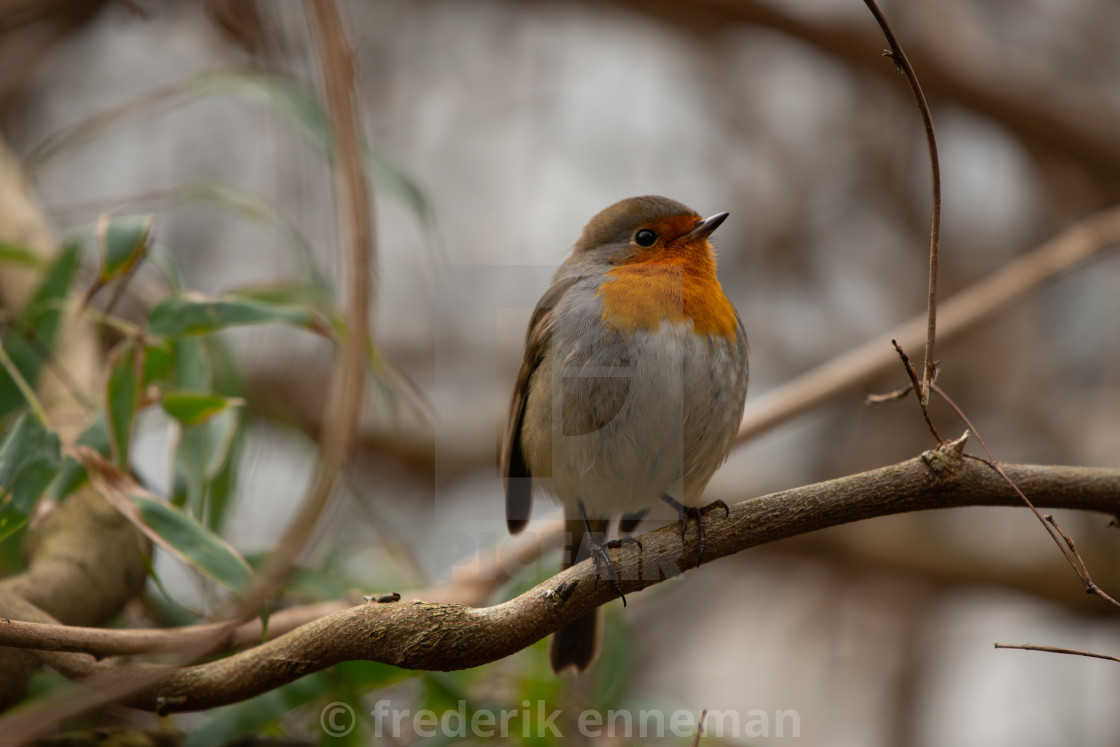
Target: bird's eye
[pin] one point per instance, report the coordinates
(645, 237)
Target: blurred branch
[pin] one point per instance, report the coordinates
(1077, 127)
(959, 314)
(30, 30)
(356, 224)
(422, 635)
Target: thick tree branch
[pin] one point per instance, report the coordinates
(421, 635)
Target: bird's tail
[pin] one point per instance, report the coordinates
(577, 643)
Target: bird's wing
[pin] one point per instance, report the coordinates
(515, 473)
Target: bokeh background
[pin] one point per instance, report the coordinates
(513, 122)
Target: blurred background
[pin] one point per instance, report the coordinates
(499, 127)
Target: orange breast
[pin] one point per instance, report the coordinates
(677, 284)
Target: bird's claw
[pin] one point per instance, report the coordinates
(686, 513)
(604, 566)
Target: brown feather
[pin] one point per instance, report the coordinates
(518, 481)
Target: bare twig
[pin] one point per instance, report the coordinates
(899, 58)
(355, 222)
(1057, 650)
(897, 394)
(700, 728)
(917, 387)
(1064, 543)
(958, 314)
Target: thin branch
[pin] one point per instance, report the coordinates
(1064, 543)
(958, 314)
(422, 635)
(700, 728)
(917, 387)
(356, 223)
(903, 64)
(1057, 650)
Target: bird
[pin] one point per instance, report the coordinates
(630, 391)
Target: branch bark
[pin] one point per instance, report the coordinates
(443, 637)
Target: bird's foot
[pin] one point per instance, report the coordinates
(604, 566)
(686, 513)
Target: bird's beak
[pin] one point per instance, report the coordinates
(705, 227)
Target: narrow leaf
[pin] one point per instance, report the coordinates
(122, 242)
(29, 460)
(28, 341)
(180, 315)
(122, 392)
(159, 363)
(181, 534)
(21, 255)
(189, 367)
(192, 408)
(73, 475)
(173, 529)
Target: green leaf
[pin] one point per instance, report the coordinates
(192, 408)
(225, 461)
(201, 452)
(188, 467)
(73, 475)
(21, 255)
(29, 460)
(179, 316)
(288, 293)
(28, 341)
(184, 536)
(159, 363)
(122, 242)
(190, 369)
(122, 393)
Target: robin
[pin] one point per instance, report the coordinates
(631, 389)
